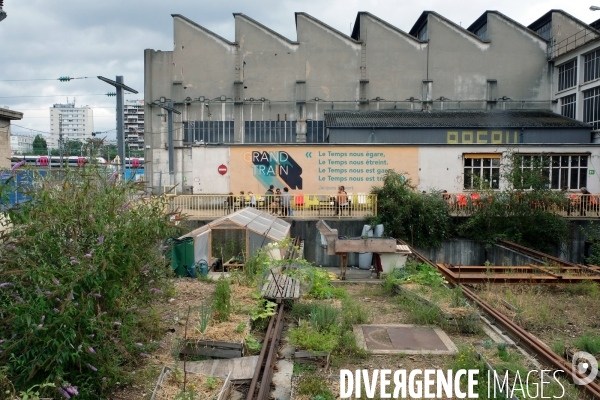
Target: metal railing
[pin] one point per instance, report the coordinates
(572, 42)
(302, 206)
(575, 205)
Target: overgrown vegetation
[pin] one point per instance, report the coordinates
(314, 386)
(523, 210)
(79, 271)
(420, 219)
(222, 300)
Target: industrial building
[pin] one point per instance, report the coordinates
(75, 123)
(439, 102)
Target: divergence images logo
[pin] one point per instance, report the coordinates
(584, 363)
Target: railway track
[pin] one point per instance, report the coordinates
(520, 336)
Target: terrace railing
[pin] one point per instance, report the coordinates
(302, 206)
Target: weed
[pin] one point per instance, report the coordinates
(204, 317)
(323, 317)
(467, 358)
(588, 342)
(583, 289)
(354, 313)
(222, 300)
(422, 274)
(458, 300)
(313, 386)
(558, 346)
(211, 383)
(241, 327)
(252, 344)
(263, 310)
(301, 310)
(309, 339)
(302, 368)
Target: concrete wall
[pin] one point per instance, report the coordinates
(4, 143)
(457, 252)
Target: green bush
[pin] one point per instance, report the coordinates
(309, 339)
(80, 269)
(588, 342)
(314, 386)
(222, 300)
(421, 220)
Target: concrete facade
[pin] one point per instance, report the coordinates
(263, 90)
(77, 123)
(21, 144)
(6, 116)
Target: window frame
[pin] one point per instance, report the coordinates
(568, 106)
(567, 75)
(591, 107)
(474, 164)
(591, 66)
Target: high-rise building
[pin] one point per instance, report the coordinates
(21, 144)
(75, 123)
(134, 124)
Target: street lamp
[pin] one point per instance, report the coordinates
(2, 12)
(594, 8)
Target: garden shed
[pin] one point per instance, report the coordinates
(260, 228)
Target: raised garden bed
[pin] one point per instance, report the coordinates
(170, 385)
(319, 359)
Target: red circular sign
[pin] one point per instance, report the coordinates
(222, 169)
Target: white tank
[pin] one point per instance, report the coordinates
(365, 259)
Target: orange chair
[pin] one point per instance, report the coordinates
(299, 200)
(476, 199)
(461, 200)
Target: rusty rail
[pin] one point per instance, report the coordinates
(519, 335)
(263, 374)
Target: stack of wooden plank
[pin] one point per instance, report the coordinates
(280, 286)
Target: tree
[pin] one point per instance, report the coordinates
(40, 147)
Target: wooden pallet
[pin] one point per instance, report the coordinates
(282, 287)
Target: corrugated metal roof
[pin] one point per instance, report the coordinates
(450, 119)
(258, 221)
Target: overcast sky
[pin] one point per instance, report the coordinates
(46, 39)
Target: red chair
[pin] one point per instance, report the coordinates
(299, 200)
(461, 200)
(476, 199)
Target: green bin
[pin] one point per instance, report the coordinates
(182, 256)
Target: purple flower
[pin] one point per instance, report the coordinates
(55, 310)
(47, 293)
(56, 281)
(144, 355)
(91, 349)
(19, 299)
(103, 378)
(72, 390)
(113, 176)
(165, 247)
(125, 206)
(76, 304)
(92, 367)
(5, 284)
(92, 335)
(133, 373)
(143, 311)
(16, 166)
(1, 341)
(117, 323)
(74, 261)
(167, 316)
(43, 318)
(152, 281)
(97, 295)
(10, 247)
(64, 393)
(155, 290)
(57, 299)
(40, 326)
(70, 296)
(145, 272)
(162, 344)
(131, 309)
(88, 255)
(101, 239)
(139, 344)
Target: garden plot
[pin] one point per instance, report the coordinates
(197, 385)
(564, 317)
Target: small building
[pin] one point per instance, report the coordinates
(6, 116)
(260, 230)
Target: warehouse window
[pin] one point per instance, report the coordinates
(482, 32)
(422, 34)
(545, 30)
(269, 131)
(315, 132)
(567, 75)
(567, 106)
(591, 107)
(208, 131)
(560, 171)
(591, 66)
(481, 171)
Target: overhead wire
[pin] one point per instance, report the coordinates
(45, 79)
(59, 95)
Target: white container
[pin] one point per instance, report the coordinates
(390, 261)
(379, 230)
(365, 260)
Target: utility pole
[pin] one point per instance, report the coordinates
(60, 139)
(120, 87)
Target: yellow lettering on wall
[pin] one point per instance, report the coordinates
(516, 141)
(452, 138)
(479, 135)
(496, 137)
(467, 137)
